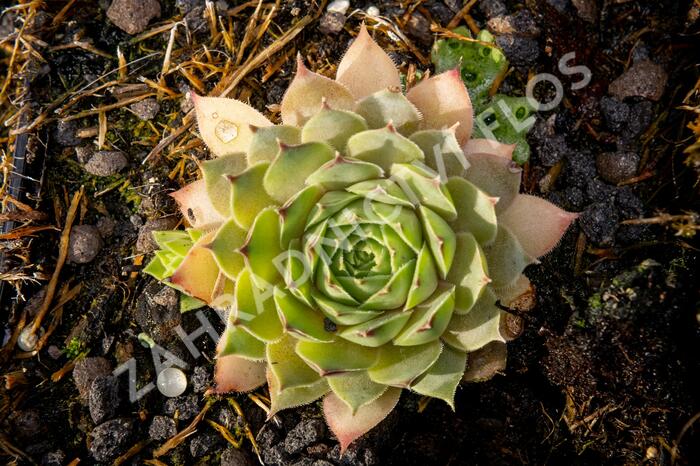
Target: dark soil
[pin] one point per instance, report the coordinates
(603, 372)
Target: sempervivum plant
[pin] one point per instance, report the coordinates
(364, 246)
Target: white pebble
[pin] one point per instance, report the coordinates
(171, 382)
(339, 6)
(27, 341)
(373, 11)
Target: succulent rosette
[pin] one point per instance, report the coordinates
(364, 246)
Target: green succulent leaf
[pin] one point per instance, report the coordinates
(248, 195)
(399, 366)
(389, 107)
(299, 319)
(476, 211)
(214, 173)
(287, 174)
(468, 273)
(440, 239)
(394, 293)
(383, 147)
(296, 211)
(342, 172)
(289, 370)
(378, 331)
(385, 191)
(333, 127)
(228, 239)
(425, 278)
(505, 119)
(430, 319)
(425, 188)
(342, 314)
(266, 142)
(263, 248)
(336, 357)
(295, 396)
(471, 331)
(239, 342)
(442, 151)
(255, 310)
(356, 389)
(443, 377)
(506, 258)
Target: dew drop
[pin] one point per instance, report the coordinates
(226, 131)
(171, 382)
(215, 115)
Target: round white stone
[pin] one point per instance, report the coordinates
(373, 12)
(171, 382)
(339, 6)
(27, 341)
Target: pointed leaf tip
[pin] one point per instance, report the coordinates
(347, 426)
(307, 93)
(488, 146)
(224, 124)
(235, 374)
(443, 100)
(366, 68)
(537, 224)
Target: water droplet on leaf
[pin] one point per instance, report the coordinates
(171, 382)
(226, 131)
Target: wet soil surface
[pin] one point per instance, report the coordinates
(605, 371)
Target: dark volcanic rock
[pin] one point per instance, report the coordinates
(104, 398)
(145, 242)
(162, 428)
(643, 79)
(235, 457)
(106, 163)
(520, 50)
(111, 439)
(201, 444)
(599, 222)
(304, 434)
(492, 8)
(186, 407)
(145, 109)
(157, 312)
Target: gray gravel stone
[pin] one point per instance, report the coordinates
(132, 16)
(86, 371)
(643, 79)
(235, 457)
(615, 167)
(332, 22)
(186, 407)
(162, 428)
(145, 109)
(106, 226)
(84, 245)
(106, 163)
(599, 222)
(111, 439)
(65, 133)
(201, 379)
(83, 153)
(104, 398)
(304, 434)
(201, 444)
(145, 242)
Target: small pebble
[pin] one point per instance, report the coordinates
(162, 428)
(171, 382)
(27, 339)
(418, 26)
(111, 439)
(615, 167)
(145, 109)
(106, 226)
(520, 50)
(201, 378)
(86, 371)
(84, 245)
(186, 407)
(643, 79)
(106, 163)
(132, 16)
(332, 22)
(54, 458)
(65, 133)
(104, 398)
(599, 222)
(338, 6)
(522, 23)
(54, 352)
(373, 12)
(83, 153)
